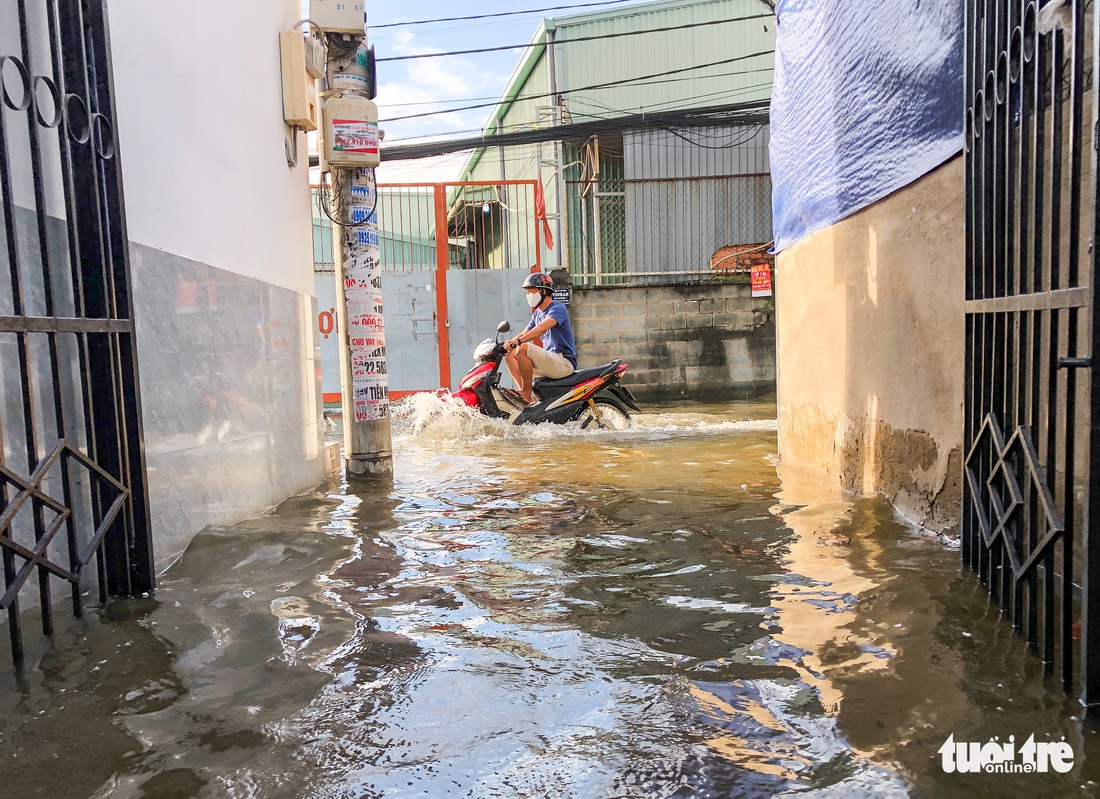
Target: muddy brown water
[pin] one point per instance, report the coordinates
(657, 612)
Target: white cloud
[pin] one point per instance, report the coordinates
(431, 81)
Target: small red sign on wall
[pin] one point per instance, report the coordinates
(761, 280)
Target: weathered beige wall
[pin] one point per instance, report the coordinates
(870, 332)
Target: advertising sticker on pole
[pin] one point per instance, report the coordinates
(355, 136)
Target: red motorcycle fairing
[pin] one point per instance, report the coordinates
(467, 396)
(475, 376)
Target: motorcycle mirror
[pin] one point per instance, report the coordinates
(504, 327)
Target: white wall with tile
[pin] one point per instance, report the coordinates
(221, 259)
(199, 99)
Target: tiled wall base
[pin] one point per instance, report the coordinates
(231, 394)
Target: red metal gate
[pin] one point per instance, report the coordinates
(487, 225)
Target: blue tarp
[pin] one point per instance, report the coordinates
(868, 97)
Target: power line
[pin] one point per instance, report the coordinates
(386, 106)
(500, 14)
(753, 112)
(588, 116)
(593, 87)
(576, 108)
(436, 102)
(743, 138)
(599, 37)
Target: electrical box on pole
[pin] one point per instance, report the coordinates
(339, 16)
(300, 73)
(351, 132)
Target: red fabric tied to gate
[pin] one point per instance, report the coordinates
(540, 215)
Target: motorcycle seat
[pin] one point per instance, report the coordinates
(579, 376)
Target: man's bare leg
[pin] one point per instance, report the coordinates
(513, 368)
(522, 371)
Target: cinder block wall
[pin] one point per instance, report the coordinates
(698, 340)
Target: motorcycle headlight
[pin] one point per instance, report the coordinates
(484, 350)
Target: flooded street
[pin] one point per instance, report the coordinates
(546, 613)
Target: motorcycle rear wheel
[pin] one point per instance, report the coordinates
(610, 415)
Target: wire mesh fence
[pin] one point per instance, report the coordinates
(661, 206)
(645, 206)
(482, 225)
(670, 229)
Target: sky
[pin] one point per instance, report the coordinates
(425, 82)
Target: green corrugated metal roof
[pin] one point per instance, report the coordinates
(617, 59)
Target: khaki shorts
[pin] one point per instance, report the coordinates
(549, 364)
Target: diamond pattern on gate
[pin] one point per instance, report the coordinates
(30, 489)
(1006, 497)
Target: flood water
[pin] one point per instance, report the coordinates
(546, 613)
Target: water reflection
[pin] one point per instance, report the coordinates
(546, 613)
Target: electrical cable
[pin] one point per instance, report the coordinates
(666, 106)
(578, 40)
(324, 198)
(647, 80)
(719, 136)
(730, 145)
(753, 112)
(315, 28)
(517, 157)
(440, 102)
(659, 106)
(500, 14)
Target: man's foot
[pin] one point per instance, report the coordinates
(530, 401)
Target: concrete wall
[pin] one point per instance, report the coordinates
(694, 340)
(222, 259)
(201, 129)
(221, 264)
(871, 344)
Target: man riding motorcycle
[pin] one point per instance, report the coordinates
(546, 347)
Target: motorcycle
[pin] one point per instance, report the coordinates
(592, 397)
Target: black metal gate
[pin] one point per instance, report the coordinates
(1031, 334)
(72, 470)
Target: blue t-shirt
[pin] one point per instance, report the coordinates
(558, 338)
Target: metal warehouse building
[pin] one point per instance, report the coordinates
(679, 173)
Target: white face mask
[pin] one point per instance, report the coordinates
(534, 299)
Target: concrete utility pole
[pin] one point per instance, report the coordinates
(367, 436)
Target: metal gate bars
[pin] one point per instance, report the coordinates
(1031, 427)
(71, 449)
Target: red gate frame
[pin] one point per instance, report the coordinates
(443, 262)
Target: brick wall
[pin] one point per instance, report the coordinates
(700, 340)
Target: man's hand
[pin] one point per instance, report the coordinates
(512, 343)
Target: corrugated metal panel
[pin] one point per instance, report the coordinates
(524, 109)
(697, 152)
(686, 179)
(588, 63)
(678, 225)
(739, 212)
